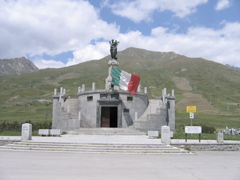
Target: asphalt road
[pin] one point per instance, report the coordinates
(71, 166)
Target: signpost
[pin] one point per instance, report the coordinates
(192, 129)
(191, 110)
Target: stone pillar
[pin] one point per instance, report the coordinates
(93, 86)
(83, 87)
(79, 115)
(171, 112)
(163, 97)
(108, 80)
(26, 132)
(220, 137)
(55, 109)
(139, 88)
(79, 118)
(61, 90)
(172, 92)
(64, 91)
(145, 90)
(68, 110)
(62, 102)
(136, 116)
(55, 92)
(165, 91)
(79, 89)
(165, 135)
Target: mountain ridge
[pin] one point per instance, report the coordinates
(16, 66)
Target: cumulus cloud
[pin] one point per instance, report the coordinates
(36, 27)
(142, 10)
(222, 4)
(90, 52)
(43, 64)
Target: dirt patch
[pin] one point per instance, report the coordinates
(191, 99)
(182, 83)
(13, 98)
(68, 76)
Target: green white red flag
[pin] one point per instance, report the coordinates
(126, 81)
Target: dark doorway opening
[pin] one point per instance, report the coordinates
(109, 117)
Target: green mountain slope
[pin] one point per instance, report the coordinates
(212, 87)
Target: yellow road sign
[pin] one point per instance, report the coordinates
(192, 109)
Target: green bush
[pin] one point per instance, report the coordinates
(16, 126)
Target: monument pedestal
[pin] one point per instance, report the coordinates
(108, 81)
(220, 137)
(165, 135)
(26, 132)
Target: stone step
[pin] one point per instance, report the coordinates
(93, 148)
(88, 145)
(106, 131)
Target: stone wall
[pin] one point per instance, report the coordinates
(90, 103)
(209, 147)
(64, 116)
(5, 142)
(132, 110)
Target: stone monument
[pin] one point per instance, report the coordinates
(112, 107)
(26, 132)
(220, 137)
(165, 135)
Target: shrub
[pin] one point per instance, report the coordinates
(16, 126)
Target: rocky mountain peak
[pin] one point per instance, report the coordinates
(16, 66)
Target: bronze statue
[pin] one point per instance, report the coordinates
(113, 48)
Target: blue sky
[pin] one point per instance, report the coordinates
(61, 33)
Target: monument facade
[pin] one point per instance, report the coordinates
(112, 107)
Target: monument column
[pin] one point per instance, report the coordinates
(111, 63)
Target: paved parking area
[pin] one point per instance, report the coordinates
(61, 166)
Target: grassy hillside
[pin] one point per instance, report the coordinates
(212, 87)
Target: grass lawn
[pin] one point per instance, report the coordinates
(219, 121)
(206, 136)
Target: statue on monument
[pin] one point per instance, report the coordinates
(113, 62)
(113, 48)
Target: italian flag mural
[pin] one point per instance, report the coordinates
(126, 81)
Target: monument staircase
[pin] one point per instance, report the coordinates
(72, 105)
(119, 148)
(106, 131)
(97, 140)
(153, 108)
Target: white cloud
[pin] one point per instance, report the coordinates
(42, 64)
(221, 45)
(142, 10)
(222, 4)
(36, 27)
(90, 52)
